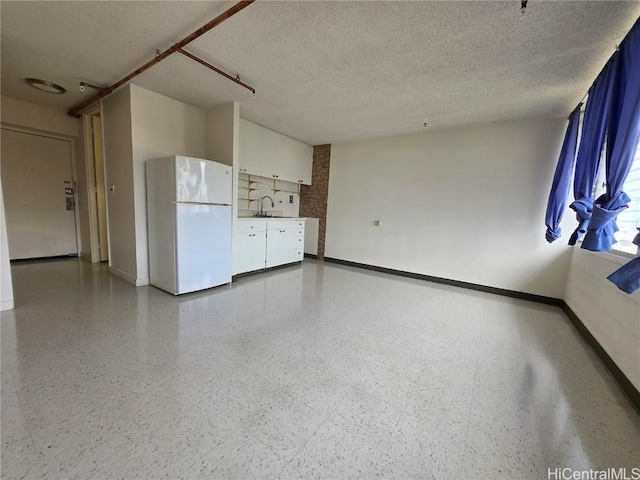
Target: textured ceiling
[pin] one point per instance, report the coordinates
(326, 72)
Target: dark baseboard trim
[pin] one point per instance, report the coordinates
(44, 259)
(629, 390)
(623, 382)
(263, 270)
(310, 255)
(455, 283)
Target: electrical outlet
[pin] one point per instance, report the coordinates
(290, 198)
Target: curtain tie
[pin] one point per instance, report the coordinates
(583, 208)
(553, 234)
(602, 226)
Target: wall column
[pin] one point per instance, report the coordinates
(313, 198)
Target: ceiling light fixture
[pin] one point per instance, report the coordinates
(45, 86)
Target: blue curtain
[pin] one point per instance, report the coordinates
(562, 178)
(594, 127)
(623, 135)
(627, 277)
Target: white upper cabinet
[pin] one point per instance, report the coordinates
(269, 154)
(249, 152)
(296, 160)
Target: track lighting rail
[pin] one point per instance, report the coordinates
(78, 109)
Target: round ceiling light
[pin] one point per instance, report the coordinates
(45, 86)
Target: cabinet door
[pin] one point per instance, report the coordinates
(258, 250)
(269, 155)
(242, 251)
(294, 245)
(303, 154)
(276, 248)
(284, 246)
(249, 147)
(287, 163)
(295, 161)
(297, 255)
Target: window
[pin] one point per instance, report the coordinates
(629, 220)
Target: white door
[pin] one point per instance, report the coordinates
(203, 246)
(276, 248)
(296, 159)
(249, 147)
(258, 250)
(269, 161)
(40, 212)
(304, 162)
(242, 246)
(218, 181)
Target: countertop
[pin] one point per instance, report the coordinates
(272, 218)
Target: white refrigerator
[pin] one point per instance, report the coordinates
(189, 216)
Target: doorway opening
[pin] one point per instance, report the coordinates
(96, 187)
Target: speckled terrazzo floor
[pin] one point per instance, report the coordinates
(311, 371)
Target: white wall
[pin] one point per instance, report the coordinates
(466, 204)
(6, 286)
(221, 133)
(612, 316)
(118, 150)
(221, 141)
(36, 117)
(160, 126)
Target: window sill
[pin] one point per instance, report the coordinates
(616, 256)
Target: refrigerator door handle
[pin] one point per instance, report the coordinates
(204, 203)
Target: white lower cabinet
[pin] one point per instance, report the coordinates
(268, 243)
(249, 246)
(285, 241)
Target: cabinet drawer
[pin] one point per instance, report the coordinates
(251, 226)
(288, 234)
(294, 236)
(284, 224)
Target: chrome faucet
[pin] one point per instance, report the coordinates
(260, 212)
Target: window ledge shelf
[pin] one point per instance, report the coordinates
(616, 256)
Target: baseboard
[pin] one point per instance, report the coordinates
(123, 275)
(310, 255)
(263, 270)
(621, 379)
(455, 283)
(6, 305)
(141, 282)
(55, 258)
(629, 390)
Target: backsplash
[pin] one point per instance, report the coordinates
(251, 188)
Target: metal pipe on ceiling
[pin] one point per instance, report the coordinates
(217, 70)
(78, 109)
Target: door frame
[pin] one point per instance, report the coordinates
(94, 232)
(74, 176)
